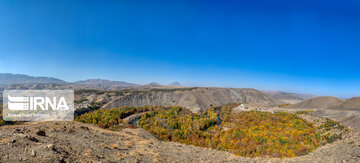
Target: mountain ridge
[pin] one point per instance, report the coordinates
(9, 78)
(106, 82)
(20, 81)
(196, 99)
(328, 102)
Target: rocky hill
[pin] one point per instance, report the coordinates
(78, 142)
(195, 99)
(349, 104)
(322, 102)
(328, 102)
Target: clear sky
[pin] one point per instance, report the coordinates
(306, 47)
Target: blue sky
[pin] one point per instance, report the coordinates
(306, 47)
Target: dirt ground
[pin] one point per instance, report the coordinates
(78, 142)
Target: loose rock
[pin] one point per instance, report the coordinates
(32, 138)
(50, 146)
(33, 153)
(41, 133)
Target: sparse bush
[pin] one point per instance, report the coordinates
(284, 105)
(333, 138)
(2, 122)
(304, 112)
(330, 124)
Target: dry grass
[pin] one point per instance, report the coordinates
(89, 152)
(4, 141)
(105, 145)
(115, 146)
(128, 144)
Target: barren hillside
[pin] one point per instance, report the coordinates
(196, 99)
(317, 103)
(350, 104)
(328, 103)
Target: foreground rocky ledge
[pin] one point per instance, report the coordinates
(78, 142)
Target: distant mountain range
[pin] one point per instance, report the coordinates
(106, 82)
(20, 81)
(175, 84)
(290, 98)
(154, 84)
(8, 79)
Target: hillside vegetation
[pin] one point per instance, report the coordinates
(249, 134)
(2, 122)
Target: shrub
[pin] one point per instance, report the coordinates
(304, 112)
(110, 118)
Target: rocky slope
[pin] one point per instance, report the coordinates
(195, 99)
(78, 142)
(350, 104)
